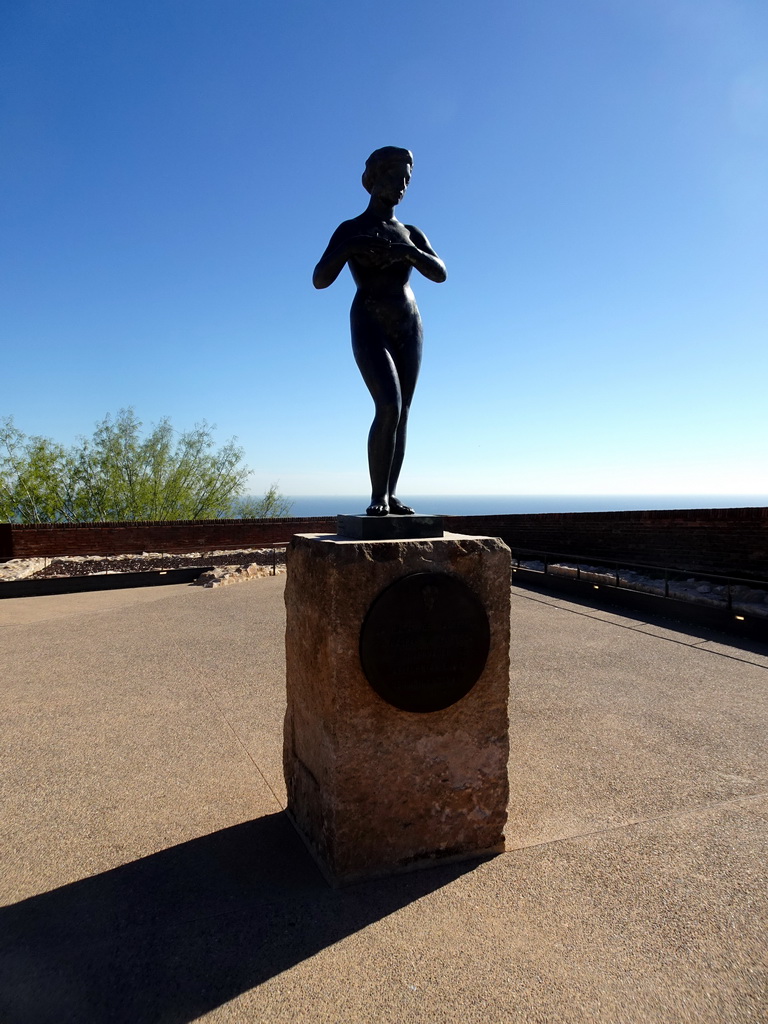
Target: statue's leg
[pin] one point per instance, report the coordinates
(378, 369)
(396, 505)
(408, 363)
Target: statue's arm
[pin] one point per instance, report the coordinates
(335, 256)
(423, 257)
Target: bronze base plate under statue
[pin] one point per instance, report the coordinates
(365, 527)
(397, 669)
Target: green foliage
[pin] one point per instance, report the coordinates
(119, 475)
(32, 477)
(272, 505)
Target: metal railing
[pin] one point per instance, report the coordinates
(737, 595)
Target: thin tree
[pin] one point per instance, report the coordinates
(118, 474)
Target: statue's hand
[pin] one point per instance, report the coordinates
(366, 245)
(401, 252)
(372, 251)
(383, 253)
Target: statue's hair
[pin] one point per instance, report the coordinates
(380, 156)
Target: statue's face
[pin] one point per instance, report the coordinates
(391, 180)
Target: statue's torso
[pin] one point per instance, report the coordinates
(372, 279)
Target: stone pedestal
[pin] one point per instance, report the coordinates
(373, 788)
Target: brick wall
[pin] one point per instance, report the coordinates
(731, 541)
(124, 538)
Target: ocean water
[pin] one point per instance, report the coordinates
(501, 504)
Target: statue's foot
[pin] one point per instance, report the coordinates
(376, 509)
(397, 508)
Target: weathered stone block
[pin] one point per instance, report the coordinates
(374, 789)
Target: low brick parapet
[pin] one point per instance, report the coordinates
(729, 541)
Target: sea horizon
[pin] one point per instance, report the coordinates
(512, 504)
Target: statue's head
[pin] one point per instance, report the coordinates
(381, 158)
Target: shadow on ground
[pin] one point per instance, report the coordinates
(176, 934)
(650, 615)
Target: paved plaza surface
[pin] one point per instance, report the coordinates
(150, 875)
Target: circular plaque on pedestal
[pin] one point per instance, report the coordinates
(424, 642)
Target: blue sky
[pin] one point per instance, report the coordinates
(594, 174)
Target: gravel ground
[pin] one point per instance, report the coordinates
(88, 565)
(743, 598)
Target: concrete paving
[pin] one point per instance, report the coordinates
(150, 875)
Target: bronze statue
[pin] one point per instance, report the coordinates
(385, 321)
